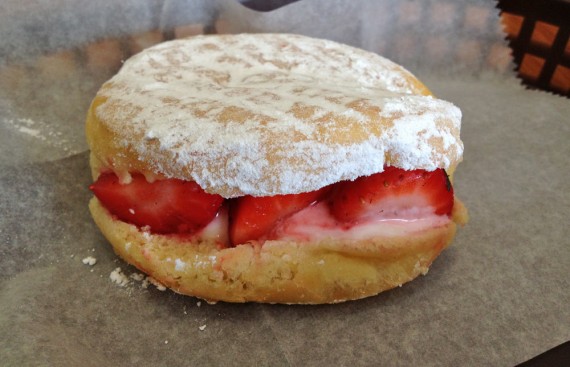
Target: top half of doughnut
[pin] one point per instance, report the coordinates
(267, 114)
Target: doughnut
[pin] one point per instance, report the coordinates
(273, 168)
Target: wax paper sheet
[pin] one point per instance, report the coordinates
(498, 296)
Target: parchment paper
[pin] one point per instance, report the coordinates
(498, 296)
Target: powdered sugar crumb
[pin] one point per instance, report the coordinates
(89, 260)
(156, 283)
(118, 277)
(137, 277)
(33, 132)
(26, 126)
(39, 130)
(145, 283)
(202, 328)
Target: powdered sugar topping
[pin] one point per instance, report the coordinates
(271, 114)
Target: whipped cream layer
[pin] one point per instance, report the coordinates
(315, 223)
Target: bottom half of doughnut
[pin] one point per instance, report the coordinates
(324, 271)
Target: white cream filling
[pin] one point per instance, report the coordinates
(217, 229)
(316, 223)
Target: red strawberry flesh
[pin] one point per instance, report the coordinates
(393, 193)
(166, 206)
(252, 218)
(175, 206)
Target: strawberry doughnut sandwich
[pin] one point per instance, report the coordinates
(273, 168)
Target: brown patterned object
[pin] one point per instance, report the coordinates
(105, 55)
(538, 32)
(13, 76)
(440, 35)
(188, 30)
(140, 41)
(57, 65)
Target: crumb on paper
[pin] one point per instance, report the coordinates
(25, 126)
(198, 303)
(137, 276)
(166, 342)
(89, 260)
(202, 328)
(33, 132)
(144, 283)
(122, 279)
(156, 283)
(118, 277)
(40, 130)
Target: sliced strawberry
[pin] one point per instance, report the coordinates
(394, 193)
(252, 218)
(166, 206)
